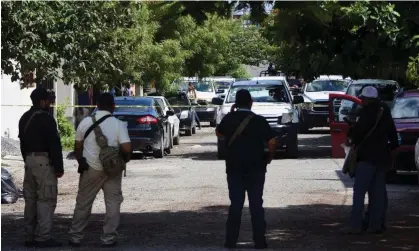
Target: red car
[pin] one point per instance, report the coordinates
(405, 112)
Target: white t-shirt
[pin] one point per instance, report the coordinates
(114, 129)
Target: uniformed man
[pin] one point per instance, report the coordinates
(42, 152)
(245, 135)
(93, 178)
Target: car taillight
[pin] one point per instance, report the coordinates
(147, 120)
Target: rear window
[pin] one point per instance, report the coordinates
(132, 105)
(386, 92)
(178, 100)
(407, 107)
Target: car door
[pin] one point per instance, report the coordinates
(174, 120)
(164, 122)
(338, 126)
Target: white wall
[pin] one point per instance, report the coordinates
(11, 94)
(65, 95)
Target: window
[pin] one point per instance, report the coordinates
(327, 86)
(386, 92)
(132, 105)
(203, 87)
(180, 100)
(407, 107)
(158, 108)
(262, 93)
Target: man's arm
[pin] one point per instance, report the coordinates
(124, 142)
(54, 141)
(22, 147)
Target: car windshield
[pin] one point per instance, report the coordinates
(386, 92)
(407, 107)
(180, 100)
(203, 86)
(222, 84)
(263, 92)
(143, 105)
(327, 86)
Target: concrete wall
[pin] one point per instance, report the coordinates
(11, 94)
(66, 95)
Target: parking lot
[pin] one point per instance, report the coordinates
(180, 202)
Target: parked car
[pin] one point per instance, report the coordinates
(222, 84)
(405, 112)
(387, 89)
(148, 127)
(273, 100)
(184, 111)
(173, 120)
(314, 111)
(205, 92)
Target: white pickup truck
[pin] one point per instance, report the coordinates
(272, 100)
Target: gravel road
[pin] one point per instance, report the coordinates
(180, 203)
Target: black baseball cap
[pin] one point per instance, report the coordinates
(41, 94)
(243, 98)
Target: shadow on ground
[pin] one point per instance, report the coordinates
(305, 227)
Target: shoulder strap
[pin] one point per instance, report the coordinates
(95, 124)
(30, 120)
(240, 129)
(380, 114)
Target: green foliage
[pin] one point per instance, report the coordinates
(65, 128)
(111, 43)
(239, 72)
(360, 39)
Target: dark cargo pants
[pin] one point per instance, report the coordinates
(40, 193)
(238, 184)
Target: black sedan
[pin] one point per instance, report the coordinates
(185, 112)
(148, 128)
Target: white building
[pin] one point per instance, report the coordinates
(16, 101)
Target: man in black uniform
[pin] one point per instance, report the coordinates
(246, 135)
(41, 150)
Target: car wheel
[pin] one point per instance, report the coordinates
(292, 150)
(170, 143)
(220, 152)
(213, 123)
(160, 152)
(194, 130)
(176, 140)
(303, 127)
(188, 132)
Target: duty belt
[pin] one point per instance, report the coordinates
(38, 154)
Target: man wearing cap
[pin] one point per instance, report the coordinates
(374, 136)
(246, 135)
(42, 152)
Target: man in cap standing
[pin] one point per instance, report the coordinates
(42, 152)
(374, 136)
(245, 135)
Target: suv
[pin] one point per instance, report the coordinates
(272, 100)
(314, 112)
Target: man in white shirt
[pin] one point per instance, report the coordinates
(92, 176)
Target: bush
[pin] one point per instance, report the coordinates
(65, 128)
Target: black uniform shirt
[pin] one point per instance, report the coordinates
(41, 136)
(246, 154)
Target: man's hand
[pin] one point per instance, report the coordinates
(233, 107)
(59, 175)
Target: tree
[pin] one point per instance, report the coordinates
(357, 39)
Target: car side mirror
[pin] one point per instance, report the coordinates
(169, 113)
(217, 101)
(298, 100)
